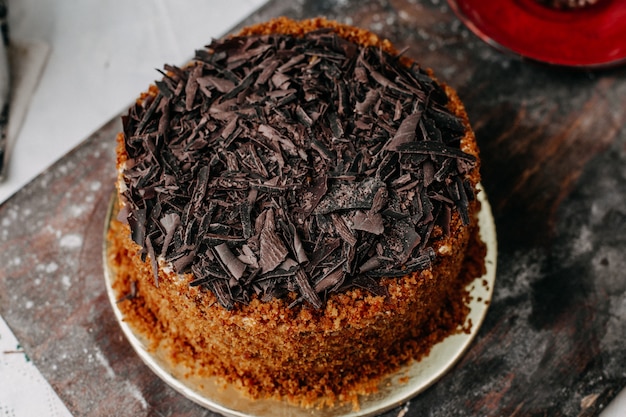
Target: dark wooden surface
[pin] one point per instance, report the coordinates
(554, 166)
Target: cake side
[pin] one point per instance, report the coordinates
(300, 354)
(285, 348)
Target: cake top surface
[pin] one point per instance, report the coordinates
(276, 164)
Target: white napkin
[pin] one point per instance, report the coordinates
(22, 382)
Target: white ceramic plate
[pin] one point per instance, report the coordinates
(394, 390)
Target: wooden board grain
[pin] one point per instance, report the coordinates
(553, 149)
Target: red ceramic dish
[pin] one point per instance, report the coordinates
(590, 37)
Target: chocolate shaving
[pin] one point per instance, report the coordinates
(343, 230)
(406, 132)
(350, 195)
(222, 292)
(277, 164)
(434, 148)
(311, 197)
(306, 290)
(232, 264)
(370, 265)
(368, 222)
(170, 223)
(272, 250)
(334, 277)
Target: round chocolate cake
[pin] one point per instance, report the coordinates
(297, 211)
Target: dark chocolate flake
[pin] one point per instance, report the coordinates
(146, 117)
(222, 291)
(343, 230)
(232, 264)
(272, 250)
(199, 281)
(164, 89)
(170, 223)
(191, 87)
(368, 222)
(435, 148)
(349, 196)
(306, 290)
(370, 265)
(334, 277)
(405, 133)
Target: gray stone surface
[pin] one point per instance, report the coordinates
(554, 167)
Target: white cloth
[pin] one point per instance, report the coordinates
(20, 382)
